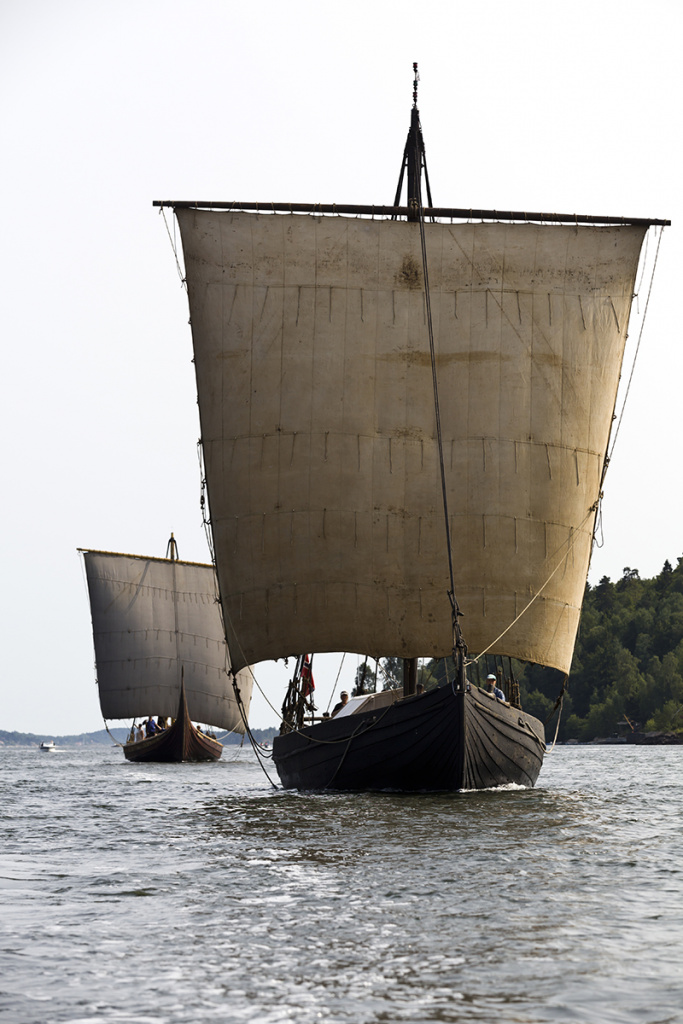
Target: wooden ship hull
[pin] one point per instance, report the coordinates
(179, 742)
(442, 740)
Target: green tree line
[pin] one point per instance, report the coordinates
(627, 669)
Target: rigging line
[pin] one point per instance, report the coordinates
(572, 541)
(226, 734)
(639, 284)
(113, 737)
(356, 732)
(334, 689)
(342, 739)
(437, 411)
(256, 747)
(175, 252)
(179, 664)
(550, 749)
(206, 521)
(635, 357)
(260, 689)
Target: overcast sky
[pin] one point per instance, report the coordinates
(567, 107)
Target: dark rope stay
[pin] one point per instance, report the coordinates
(255, 745)
(415, 158)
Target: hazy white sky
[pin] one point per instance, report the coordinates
(105, 106)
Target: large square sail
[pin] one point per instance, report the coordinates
(318, 426)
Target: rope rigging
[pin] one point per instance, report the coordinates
(416, 162)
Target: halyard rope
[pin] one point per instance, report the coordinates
(572, 541)
(635, 357)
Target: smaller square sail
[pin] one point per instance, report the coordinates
(154, 620)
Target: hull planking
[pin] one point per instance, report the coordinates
(438, 741)
(180, 742)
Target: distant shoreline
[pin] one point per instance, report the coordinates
(103, 738)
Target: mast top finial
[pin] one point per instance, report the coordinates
(415, 81)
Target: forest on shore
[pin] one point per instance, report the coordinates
(627, 670)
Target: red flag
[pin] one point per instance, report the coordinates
(307, 684)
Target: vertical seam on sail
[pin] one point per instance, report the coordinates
(265, 300)
(567, 358)
(250, 340)
(377, 230)
(234, 298)
(502, 318)
(616, 318)
(280, 437)
(310, 340)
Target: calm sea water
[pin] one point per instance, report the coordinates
(159, 893)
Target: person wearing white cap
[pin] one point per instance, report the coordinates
(342, 703)
(495, 690)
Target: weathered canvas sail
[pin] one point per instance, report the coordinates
(318, 426)
(151, 617)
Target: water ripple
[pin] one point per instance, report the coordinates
(171, 894)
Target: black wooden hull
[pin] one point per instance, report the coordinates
(439, 740)
(180, 742)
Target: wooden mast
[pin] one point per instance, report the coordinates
(414, 161)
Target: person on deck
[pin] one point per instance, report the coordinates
(342, 703)
(150, 727)
(139, 734)
(495, 690)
